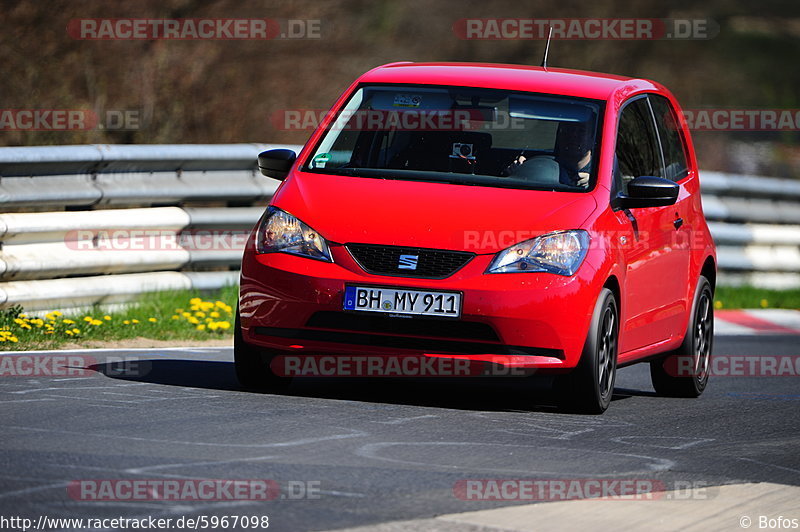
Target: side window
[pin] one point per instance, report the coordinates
(671, 140)
(637, 149)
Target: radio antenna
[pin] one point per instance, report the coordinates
(547, 47)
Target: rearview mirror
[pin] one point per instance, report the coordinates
(276, 163)
(648, 191)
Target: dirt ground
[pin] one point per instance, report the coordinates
(136, 343)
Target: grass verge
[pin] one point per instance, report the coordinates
(737, 297)
(179, 315)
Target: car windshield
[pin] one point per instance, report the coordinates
(464, 136)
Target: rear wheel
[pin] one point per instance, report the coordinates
(684, 372)
(589, 388)
(252, 365)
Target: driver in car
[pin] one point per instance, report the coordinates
(572, 152)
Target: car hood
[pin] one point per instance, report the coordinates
(478, 219)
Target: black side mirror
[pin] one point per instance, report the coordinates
(276, 163)
(648, 191)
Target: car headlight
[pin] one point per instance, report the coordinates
(561, 253)
(280, 232)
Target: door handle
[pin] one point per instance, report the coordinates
(678, 223)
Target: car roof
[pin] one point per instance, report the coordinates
(561, 81)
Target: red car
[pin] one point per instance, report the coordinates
(524, 217)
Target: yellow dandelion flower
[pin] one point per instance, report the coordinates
(213, 326)
(764, 303)
(126, 322)
(68, 322)
(186, 314)
(107, 317)
(13, 339)
(195, 300)
(152, 320)
(201, 327)
(200, 314)
(76, 331)
(193, 320)
(96, 322)
(57, 313)
(224, 324)
(718, 304)
(134, 321)
(214, 314)
(23, 315)
(68, 332)
(175, 317)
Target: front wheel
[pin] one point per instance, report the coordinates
(684, 372)
(252, 365)
(589, 388)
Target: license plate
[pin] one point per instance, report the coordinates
(402, 301)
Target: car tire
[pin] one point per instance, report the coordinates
(667, 373)
(252, 364)
(588, 389)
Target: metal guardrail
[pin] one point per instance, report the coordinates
(756, 225)
(53, 197)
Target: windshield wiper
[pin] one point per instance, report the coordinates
(444, 177)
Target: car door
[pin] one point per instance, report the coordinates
(683, 218)
(655, 260)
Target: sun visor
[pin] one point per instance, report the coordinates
(540, 109)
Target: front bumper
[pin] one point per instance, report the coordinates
(530, 320)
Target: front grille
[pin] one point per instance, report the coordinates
(430, 263)
(461, 330)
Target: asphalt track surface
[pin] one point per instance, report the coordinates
(373, 451)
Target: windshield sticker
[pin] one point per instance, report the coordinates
(321, 160)
(407, 100)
